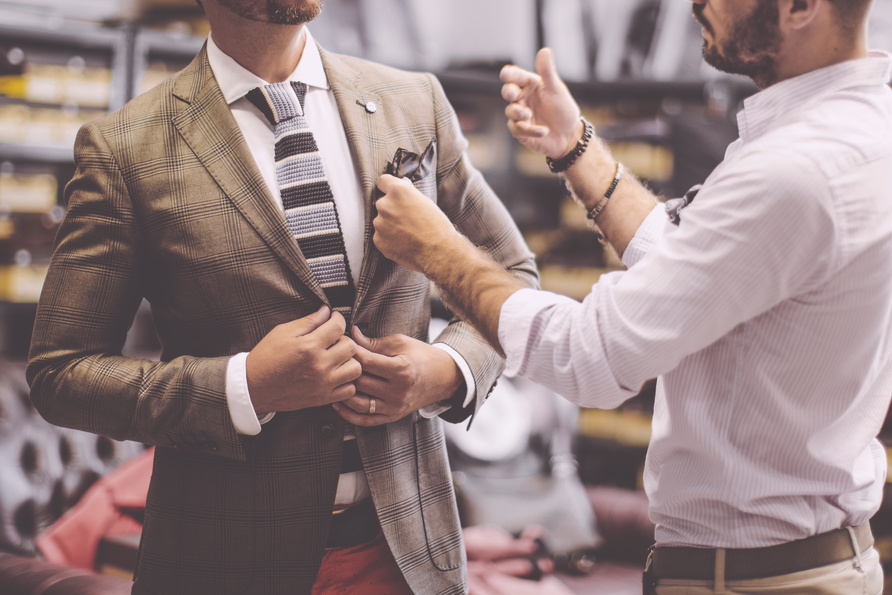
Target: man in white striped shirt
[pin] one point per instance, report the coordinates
(763, 306)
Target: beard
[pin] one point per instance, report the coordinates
(276, 12)
(751, 46)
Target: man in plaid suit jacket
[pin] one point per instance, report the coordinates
(168, 204)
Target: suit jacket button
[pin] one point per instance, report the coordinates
(327, 431)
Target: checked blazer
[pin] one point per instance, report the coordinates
(167, 204)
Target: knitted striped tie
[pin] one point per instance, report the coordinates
(309, 206)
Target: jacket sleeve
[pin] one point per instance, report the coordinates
(469, 202)
(78, 376)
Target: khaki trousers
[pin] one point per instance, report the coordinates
(862, 576)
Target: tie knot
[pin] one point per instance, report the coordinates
(280, 101)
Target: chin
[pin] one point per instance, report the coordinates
(711, 54)
(294, 12)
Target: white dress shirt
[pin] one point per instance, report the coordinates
(765, 315)
(324, 120)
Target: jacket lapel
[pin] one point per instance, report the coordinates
(206, 124)
(362, 128)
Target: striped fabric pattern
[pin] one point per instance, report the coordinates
(310, 210)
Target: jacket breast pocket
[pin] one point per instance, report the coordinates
(420, 169)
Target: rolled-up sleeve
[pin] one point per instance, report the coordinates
(651, 229)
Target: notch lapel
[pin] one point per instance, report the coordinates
(206, 124)
(362, 128)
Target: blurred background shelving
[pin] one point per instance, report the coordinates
(634, 66)
(52, 81)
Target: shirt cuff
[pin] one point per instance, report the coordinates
(437, 408)
(241, 410)
(650, 230)
(516, 319)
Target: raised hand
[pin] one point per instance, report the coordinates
(400, 375)
(542, 114)
(303, 363)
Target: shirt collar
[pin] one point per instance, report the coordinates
(235, 80)
(762, 111)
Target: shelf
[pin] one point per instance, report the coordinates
(628, 428)
(64, 37)
(574, 282)
(21, 284)
(149, 46)
(486, 81)
(174, 45)
(80, 37)
(37, 154)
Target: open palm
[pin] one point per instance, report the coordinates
(542, 115)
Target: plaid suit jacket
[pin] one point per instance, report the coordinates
(167, 204)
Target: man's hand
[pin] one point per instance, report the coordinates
(402, 375)
(499, 563)
(303, 363)
(409, 227)
(491, 542)
(486, 580)
(412, 231)
(542, 114)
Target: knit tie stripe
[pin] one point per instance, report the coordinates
(310, 211)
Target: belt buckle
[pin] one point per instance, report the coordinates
(648, 580)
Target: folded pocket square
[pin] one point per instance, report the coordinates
(406, 164)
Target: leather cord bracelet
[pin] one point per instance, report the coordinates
(561, 165)
(617, 176)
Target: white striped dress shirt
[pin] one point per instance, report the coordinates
(765, 317)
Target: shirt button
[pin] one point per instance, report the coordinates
(327, 431)
(371, 107)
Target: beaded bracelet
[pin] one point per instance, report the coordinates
(561, 165)
(617, 176)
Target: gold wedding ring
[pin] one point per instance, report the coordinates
(372, 406)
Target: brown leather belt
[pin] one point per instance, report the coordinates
(742, 564)
(353, 525)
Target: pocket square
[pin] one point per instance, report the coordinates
(406, 164)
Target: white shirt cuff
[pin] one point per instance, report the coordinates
(650, 230)
(437, 408)
(241, 410)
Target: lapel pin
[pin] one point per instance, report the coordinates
(370, 106)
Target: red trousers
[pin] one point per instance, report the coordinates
(365, 569)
